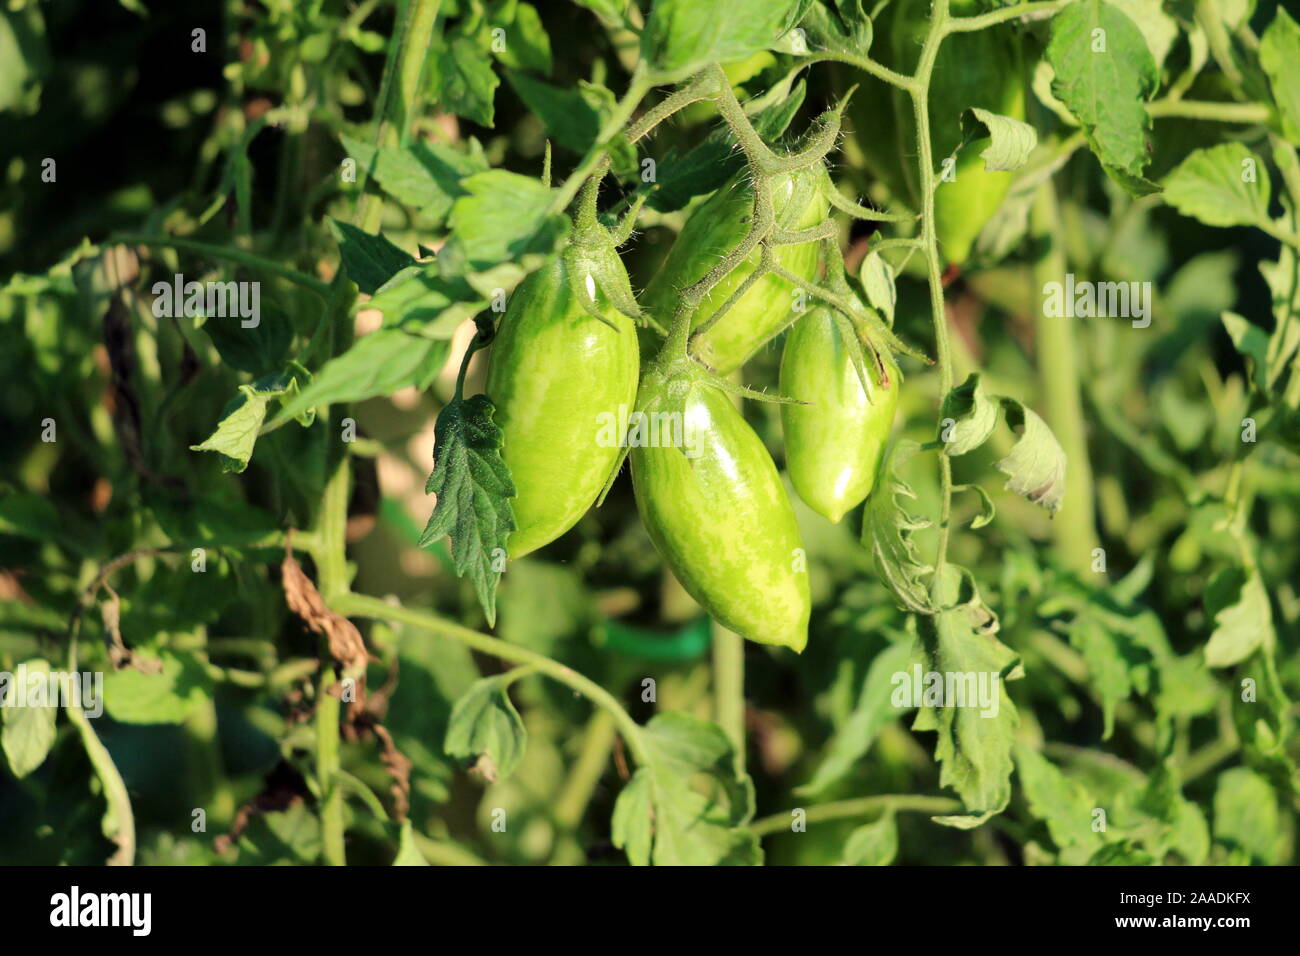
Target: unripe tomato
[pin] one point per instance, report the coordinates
(833, 445)
(713, 230)
(558, 377)
(979, 69)
(716, 510)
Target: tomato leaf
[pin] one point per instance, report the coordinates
(1010, 140)
(1104, 74)
(887, 529)
(1224, 185)
(1237, 603)
(683, 36)
(875, 844)
(660, 818)
(474, 489)
(486, 728)
(968, 417)
(370, 260)
(241, 420)
(1279, 55)
(1036, 464)
(28, 731)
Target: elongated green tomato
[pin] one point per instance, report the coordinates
(983, 69)
(561, 380)
(713, 230)
(833, 445)
(976, 69)
(715, 508)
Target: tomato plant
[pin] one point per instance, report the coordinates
(664, 431)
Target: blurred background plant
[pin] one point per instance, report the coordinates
(216, 162)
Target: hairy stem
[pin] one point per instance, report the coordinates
(860, 807)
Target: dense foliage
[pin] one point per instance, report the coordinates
(324, 329)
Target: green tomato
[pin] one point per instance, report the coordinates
(713, 230)
(981, 69)
(833, 445)
(561, 380)
(716, 509)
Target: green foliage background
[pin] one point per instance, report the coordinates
(1131, 698)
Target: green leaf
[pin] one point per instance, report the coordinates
(974, 416)
(1246, 815)
(258, 349)
(134, 697)
(1010, 140)
(486, 729)
(1108, 669)
(526, 47)
(377, 364)
(573, 116)
(1157, 26)
(1061, 803)
(660, 818)
(874, 709)
(1036, 465)
(838, 27)
(408, 851)
(281, 837)
(474, 490)
(1104, 74)
(419, 300)
(1237, 602)
(1253, 344)
(887, 532)
(683, 36)
(1123, 853)
(1279, 55)
(503, 219)
(423, 175)
(875, 844)
(1224, 185)
(28, 730)
(28, 515)
(974, 737)
(241, 420)
(462, 74)
(369, 261)
(878, 282)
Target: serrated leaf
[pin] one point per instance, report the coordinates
(1104, 74)
(474, 489)
(1010, 140)
(887, 529)
(28, 717)
(974, 737)
(974, 416)
(485, 724)
(526, 46)
(1223, 185)
(1036, 465)
(659, 818)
